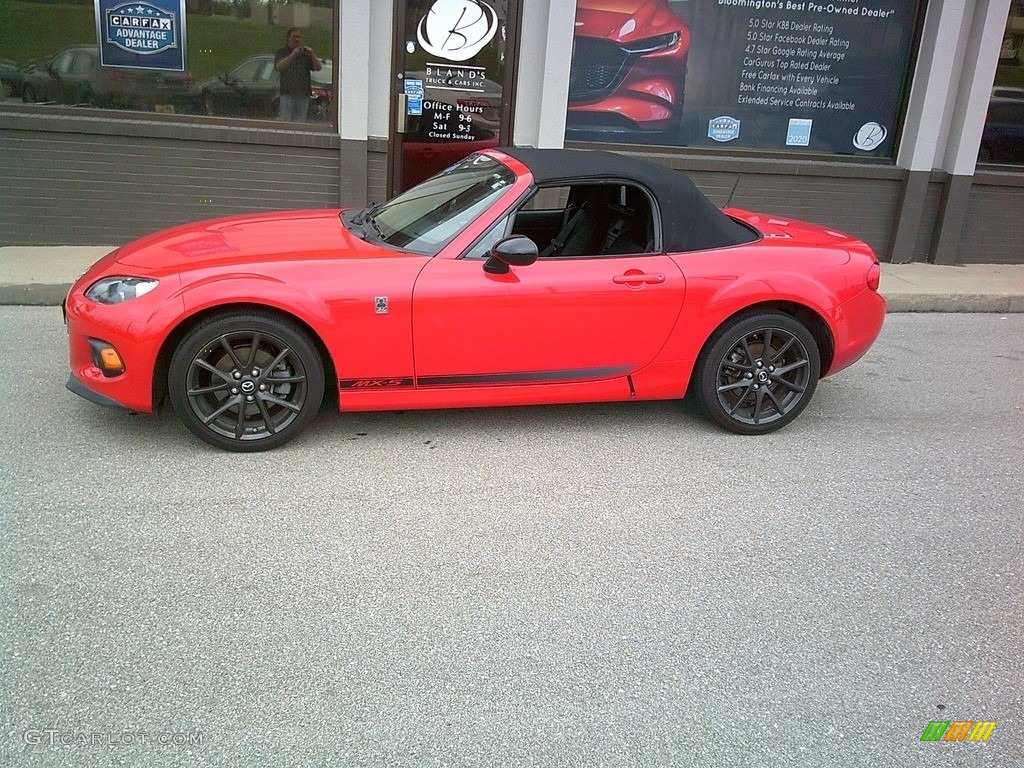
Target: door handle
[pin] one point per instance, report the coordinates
(400, 115)
(637, 277)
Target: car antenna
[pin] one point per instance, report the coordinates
(734, 187)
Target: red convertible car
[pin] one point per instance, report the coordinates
(514, 277)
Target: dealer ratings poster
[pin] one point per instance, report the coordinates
(773, 75)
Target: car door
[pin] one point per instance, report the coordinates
(262, 91)
(240, 94)
(59, 86)
(558, 320)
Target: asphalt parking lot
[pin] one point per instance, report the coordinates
(616, 585)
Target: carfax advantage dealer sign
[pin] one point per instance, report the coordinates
(149, 34)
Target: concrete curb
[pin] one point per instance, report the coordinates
(952, 303)
(33, 295)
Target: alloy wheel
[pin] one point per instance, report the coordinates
(759, 374)
(246, 385)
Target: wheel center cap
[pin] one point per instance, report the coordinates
(248, 386)
(762, 376)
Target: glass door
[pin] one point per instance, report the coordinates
(453, 80)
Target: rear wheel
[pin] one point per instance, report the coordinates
(758, 373)
(246, 381)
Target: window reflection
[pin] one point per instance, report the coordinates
(1002, 140)
(54, 59)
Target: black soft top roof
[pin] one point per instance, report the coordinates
(690, 222)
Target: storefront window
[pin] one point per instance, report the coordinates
(1002, 140)
(201, 57)
(806, 76)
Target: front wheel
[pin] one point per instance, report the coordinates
(758, 373)
(246, 381)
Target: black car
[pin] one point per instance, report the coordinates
(10, 79)
(1002, 140)
(74, 76)
(252, 89)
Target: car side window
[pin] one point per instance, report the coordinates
(84, 64)
(63, 62)
(588, 220)
(267, 73)
(247, 71)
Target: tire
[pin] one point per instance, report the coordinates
(758, 372)
(246, 381)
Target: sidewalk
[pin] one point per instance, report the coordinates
(42, 276)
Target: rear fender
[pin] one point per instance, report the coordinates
(711, 301)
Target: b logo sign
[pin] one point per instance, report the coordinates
(869, 136)
(457, 30)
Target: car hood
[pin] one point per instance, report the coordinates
(624, 20)
(245, 240)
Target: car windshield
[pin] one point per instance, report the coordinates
(429, 215)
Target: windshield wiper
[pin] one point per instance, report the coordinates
(350, 219)
(357, 220)
(368, 219)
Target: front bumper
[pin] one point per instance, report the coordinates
(136, 329)
(74, 385)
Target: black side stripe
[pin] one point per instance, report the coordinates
(462, 380)
(527, 377)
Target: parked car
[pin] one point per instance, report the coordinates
(1002, 139)
(514, 277)
(1007, 92)
(322, 96)
(628, 71)
(10, 79)
(74, 76)
(252, 89)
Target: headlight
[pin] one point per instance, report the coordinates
(652, 44)
(114, 290)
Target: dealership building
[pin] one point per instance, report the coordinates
(899, 121)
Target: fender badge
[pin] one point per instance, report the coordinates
(380, 304)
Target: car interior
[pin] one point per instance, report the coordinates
(592, 220)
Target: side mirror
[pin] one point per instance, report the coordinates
(514, 251)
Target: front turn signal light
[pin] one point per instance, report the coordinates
(106, 358)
